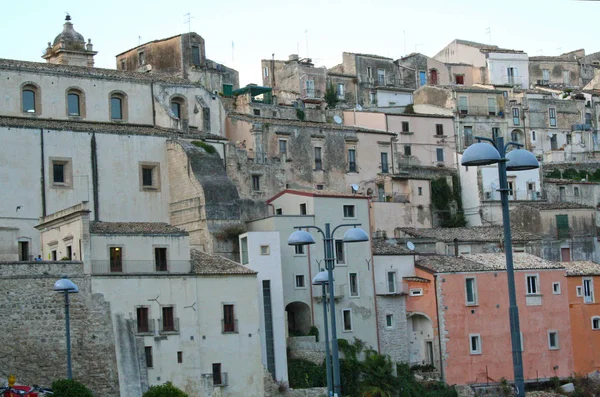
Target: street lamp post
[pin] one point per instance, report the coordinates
(516, 160)
(322, 279)
(353, 235)
(67, 287)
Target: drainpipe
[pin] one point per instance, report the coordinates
(437, 313)
(373, 278)
(312, 308)
(94, 159)
(43, 171)
(153, 110)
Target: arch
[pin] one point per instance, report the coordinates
(433, 76)
(31, 100)
(422, 339)
(178, 107)
(118, 106)
(298, 317)
(516, 135)
(75, 102)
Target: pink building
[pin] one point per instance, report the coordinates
(472, 296)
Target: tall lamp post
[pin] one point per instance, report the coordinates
(353, 235)
(322, 279)
(516, 160)
(67, 287)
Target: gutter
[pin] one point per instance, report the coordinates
(43, 171)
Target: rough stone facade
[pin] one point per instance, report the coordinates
(393, 340)
(33, 344)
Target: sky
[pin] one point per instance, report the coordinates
(239, 33)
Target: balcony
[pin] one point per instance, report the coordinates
(339, 291)
(512, 80)
(543, 82)
(382, 81)
(229, 327)
(216, 379)
(144, 328)
(386, 288)
(581, 127)
(479, 111)
(312, 94)
(168, 327)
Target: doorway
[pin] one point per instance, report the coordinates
(565, 254)
(23, 250)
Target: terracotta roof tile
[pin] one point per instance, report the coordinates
(474, 234)
(566, 205)
(135, 228)
(582, 268)
(484, 262)
(206, 264)
(388, 247)
(317, 193)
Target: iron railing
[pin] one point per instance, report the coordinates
(144, 328)
(168, 327)
(229, 327)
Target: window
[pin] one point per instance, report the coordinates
(53, 255)
(552, 116)
(177, 106)
(439, 129)
(556, 288)
(515, 136)
(579, 291)
(179, 357)
(349, 211)
(588, 290)
(553, 340)
(545, 76)
(391, 282)
(310, 88)
(562, 224)
(160, 259)
(73, 103)
(511, 74)
(256, 112)
(142, 319)
(353, 284)
(511, 188)
(168, 319)
(516, 116)
(380, 77)
(569, 139)
(116, 108)
(303, 209)
(58, 172)
(369, 72)
(206, 119)
(319, 187)
(123, 64)
(229, 319)
(318, 160)
(433, 77)
(521, 341)
(299, 249)
(562, 193)
(439, 153)
(459, 79)
(116, 259)
(30, 99)
(24, 250)
(148, 353)
(196, 55)
(217, 376)
(339, 252)
(255, 183)
(420, 190)
(384, 163)
(352, 160)
(468, 136)
(533, 284)
(422, 78)
(495, 133)
(407, 150)
(347, 317)
(533, 135)
(141, 58)
(266, 72)
(475, 343)
(265, 250)
(299, 281)
(389, 320)
(492, 106)
(279, 211)
(596, 323)
(372, 98)
(566, 77)
(283, 149)
(244, 249)
(576, 191)
(405, 126)
(149, 176)
(340, 91)
(69, 252)
(471, 291)
(416, 292)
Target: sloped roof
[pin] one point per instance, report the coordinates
(565, 205)
(484, 263)
(473, 234)
(475, 44)
(317, 193)
(206, 264)
(135, 228)
(582, 268)
(382, 246)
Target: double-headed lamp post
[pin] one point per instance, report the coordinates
(322, 279)
(516, 160)
(352, 235)
(67, 287)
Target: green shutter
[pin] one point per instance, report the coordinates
(227, 90)
(562, 226)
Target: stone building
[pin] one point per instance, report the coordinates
(425, 70)
(563, 71)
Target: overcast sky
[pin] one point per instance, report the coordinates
(260, 28)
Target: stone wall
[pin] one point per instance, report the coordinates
(33, 345)
(306, 348)
(393, 340)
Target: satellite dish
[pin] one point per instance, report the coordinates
(337, 119)
(550, 134)
(354, 188)
(410, 245)
(358, 107)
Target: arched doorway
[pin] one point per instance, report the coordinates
(298, 315)
(433, 77)
(421, 340)
(516, 136)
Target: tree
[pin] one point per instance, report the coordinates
(331, 95)
(70, 388)
(377, 376)
(166, 390)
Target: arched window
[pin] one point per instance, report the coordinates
(118, 106)
(178, 107)
(433, 77)
(30, 99)
(75, 102)
(515, 136)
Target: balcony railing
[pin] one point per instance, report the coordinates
(480, 111)
(339, 291)
(311, 93)
(144, 328)
(168, 327)
(382, 81)
(220, 379)
(138, 266)
(391, 288)
(512, 80)
(229, 327)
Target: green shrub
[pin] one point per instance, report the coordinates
(210, 149)
(70, 388)
(303, 374)
(300, 114)
(166, 390)
(314, 331)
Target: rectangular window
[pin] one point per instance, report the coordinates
(562, 224)
(533, 136)
(196, 55)
(160, 259)
(579, 291)
(492, 106)
(168, 319)
(422, 78)
(69, 252)
(511, 188)
(123, 64)
(58, 172)
(384, 163)
(545, 76)
(576, 191)
(569, 139)
(556, 288)
(463, 105)
(142, 318)
(369, 72)
(216, 374)
(279, 211)
(310, 88)
(73, 108)
(407, 150)
(300, 281)
(53, 255)
(380, 77)
(347, 317)
(566, 77)
(552, 117)
(372, 98)
(149, 176)
(303, 209)
(266, 71)
(439, 129)
(516, 116)
(468, 136)
(420, 190)
(391, 282)
(146, 177)
(471, 291)
(353, 283)
(349, 211)
(255, 183)
(553, 340)
(116, 259)
(228, 319)
(244, 249)
(439, 153)
(596, 323)
(495, 133)
(588, 290)
(179, 357)
(283, 149)
(265, 250)
(319, 187)
(459, 79)
(141, 58)
(339, 252)
(475, 343)
(405, 126)
(533, 284)
(148, 353)
(299, 249)
(318, 160)
(340, 91)
(389, 320)
(352, 160)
